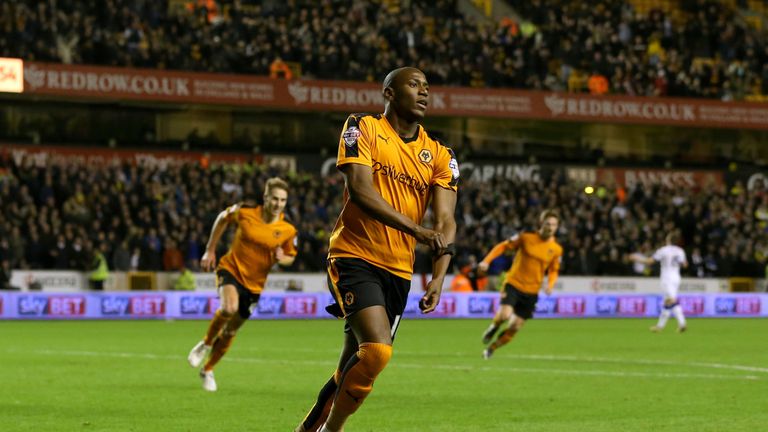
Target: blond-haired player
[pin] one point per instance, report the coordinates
(263, 238)
(537, 253)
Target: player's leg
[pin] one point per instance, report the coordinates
(666, 310)
(228, 298)
(318, 414)
(246, 301)
(220, 347)
(677, 310)
(522, 307)
(224, 341)
(372, 329)
(515, 325)
(502, 316)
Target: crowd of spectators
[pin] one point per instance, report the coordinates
(598, 47)
(158, 218)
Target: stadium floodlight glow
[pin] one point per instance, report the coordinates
(589, 190)
(11, 75)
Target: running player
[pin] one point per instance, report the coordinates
(263, 238)
(537, 253)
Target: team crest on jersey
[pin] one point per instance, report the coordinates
(276, 234)
(425, 156)
(349, 298)
(351, 135)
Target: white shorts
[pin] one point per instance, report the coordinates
(670, 288)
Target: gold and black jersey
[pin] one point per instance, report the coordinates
(404, 172)
(252, 253)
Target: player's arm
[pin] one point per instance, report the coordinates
(553, 273)
(443, 207)
(285, 254)
(642, 259)
(497, 251)
(208, 262)
(359, 180)
(283, 259)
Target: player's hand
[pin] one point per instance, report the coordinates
(208, 261)
(435, 240)
(482, 267)
(280, 254)
(431, 297)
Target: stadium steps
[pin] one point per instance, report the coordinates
(670, 7)
(485, 10)
(756, 14)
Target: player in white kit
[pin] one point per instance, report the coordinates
(672, 258)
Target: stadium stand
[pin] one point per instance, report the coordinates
(690, 48)
(54, 216)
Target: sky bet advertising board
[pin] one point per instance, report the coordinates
(202, 305)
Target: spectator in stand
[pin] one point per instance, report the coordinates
(173, 260)
(121, 257)
(720, 224)
(5, 274)
(705, 51)
(279, 69)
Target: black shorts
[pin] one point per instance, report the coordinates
(246, 300)
(356, 284)
(523, 304)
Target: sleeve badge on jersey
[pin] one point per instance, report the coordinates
(351, 135)
(454, 166)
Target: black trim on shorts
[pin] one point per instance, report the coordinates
(522, 303)
(246, 300)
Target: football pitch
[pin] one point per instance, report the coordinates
(557, 375)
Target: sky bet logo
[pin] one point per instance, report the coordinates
(546, 306)
(270, 306)
(198, 305)
(52, 306)
(446, 307)
(691, 305)
(573, 306)
(569, 306)
(482, 305)
(133, 305)
(737, 305)
(300, 306)
(608, 305)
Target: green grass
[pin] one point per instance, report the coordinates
(558, 375)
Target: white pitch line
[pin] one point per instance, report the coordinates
(549, 357)
(329, 363)
(640, 362)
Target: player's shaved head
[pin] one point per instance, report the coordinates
(392, 77)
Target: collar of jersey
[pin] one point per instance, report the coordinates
(404, 140)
